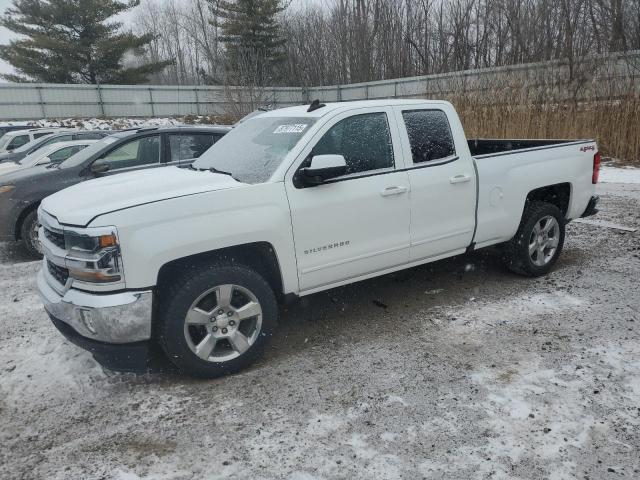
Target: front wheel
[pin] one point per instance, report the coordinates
(537, 244)
(216, 320)
(29, 234)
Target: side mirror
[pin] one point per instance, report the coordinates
(44, 161)
(322, 168)
(99, 168)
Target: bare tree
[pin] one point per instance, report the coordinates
(348, 41)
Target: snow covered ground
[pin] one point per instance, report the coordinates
(609, 174)
(456, 370)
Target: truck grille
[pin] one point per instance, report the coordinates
(54, 237)
(61, 274)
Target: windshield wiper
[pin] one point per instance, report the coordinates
(214, 170)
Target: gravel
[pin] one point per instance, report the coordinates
(452, 370)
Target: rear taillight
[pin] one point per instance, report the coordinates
(596, 168)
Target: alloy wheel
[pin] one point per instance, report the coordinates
(223, 323)
(543, 241)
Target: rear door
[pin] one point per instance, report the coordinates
(357, 224)
(443, 184)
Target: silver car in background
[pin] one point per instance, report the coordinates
(51, 154)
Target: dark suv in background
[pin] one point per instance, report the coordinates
(22, 191)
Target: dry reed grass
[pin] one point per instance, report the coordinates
(596, 100)
(614, 124)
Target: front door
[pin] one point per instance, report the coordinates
(357, 224)
(136, 154)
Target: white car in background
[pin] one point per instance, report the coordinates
(51, 154)
(15, 139)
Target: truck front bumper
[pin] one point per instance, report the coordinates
(116, 327)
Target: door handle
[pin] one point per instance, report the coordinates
(463, 178)
(395, 190)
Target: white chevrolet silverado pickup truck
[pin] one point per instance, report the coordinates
(291, 202)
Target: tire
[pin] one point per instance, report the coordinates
(198, 292)
(530, 254)
(29, 234)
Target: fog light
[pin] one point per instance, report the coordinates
(87, 320)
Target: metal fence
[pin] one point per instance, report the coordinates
(601, 76)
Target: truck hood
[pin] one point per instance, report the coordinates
(81, 203)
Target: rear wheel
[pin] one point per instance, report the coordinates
(29, 234)
(216, 320)
(537, 244)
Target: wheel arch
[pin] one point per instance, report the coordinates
(558, 194)
(260, 256)
(20, 220)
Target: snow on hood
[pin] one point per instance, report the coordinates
(79, 204)
(7, 167)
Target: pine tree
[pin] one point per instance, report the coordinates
(73, 41)
(251, 34)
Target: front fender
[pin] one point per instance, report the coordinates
(155, 234)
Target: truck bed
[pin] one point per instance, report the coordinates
(491, 146)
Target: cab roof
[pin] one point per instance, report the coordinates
(333, 107)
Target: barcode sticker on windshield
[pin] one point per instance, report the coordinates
(293, 128)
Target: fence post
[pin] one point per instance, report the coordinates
(195, 89)
(153, 110)
(100, 100)
(395, 89)
(41, 100)
(366, 91)
(339, 93)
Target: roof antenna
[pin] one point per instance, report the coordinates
(315, 105)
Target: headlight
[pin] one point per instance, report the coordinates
(94, 259)
(6, 188)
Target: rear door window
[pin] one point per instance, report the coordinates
(135, 153)
(90, 136)
(429, 135)
(43, 134)
(61, 138)
(185, 146)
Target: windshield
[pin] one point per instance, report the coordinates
(84, 154)
(28, 146)
(4, 140)
(33, 157)
(253, 150)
